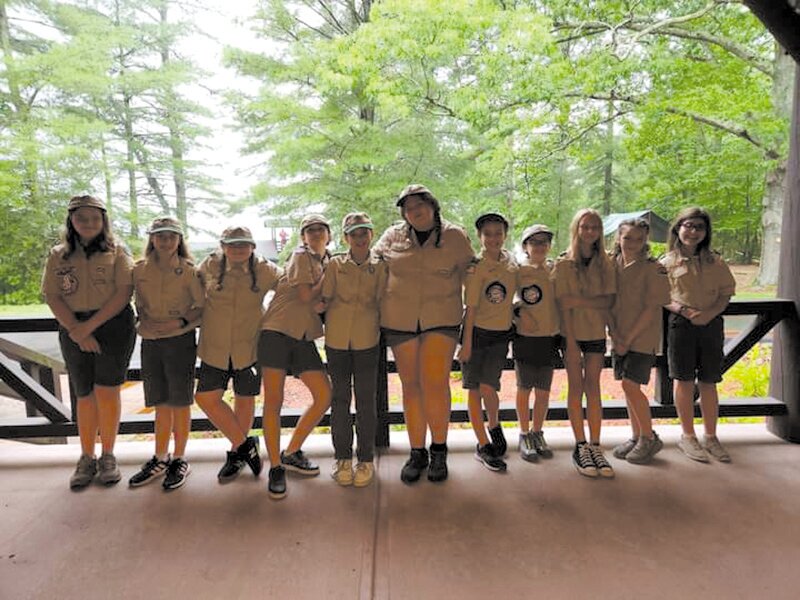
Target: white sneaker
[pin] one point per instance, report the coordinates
(343, 472)
(692, 448)
(364, 474)
(715, 449)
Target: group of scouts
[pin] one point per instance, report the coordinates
(423, 289)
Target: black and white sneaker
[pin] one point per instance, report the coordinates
(437, 469)
(177, 473)
(603, 467)
(582, 459)
(499, 443)
(542, 449)
(527, 451)
(234, 463)
(150, 471)
(277, 483)
(299, 463)
(250, 453)
(485, 456)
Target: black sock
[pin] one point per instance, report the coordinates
(438, 447)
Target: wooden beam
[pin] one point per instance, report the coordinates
(32, 391)
(782, 20)
(785, 367)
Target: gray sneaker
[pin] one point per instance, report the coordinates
(624, 448)
(542, 449)
(645, 449)
(715, 449)
(692, 448)
(108, 471)
(84, 472)
(527, 451)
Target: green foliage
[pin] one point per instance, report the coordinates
(750, 374)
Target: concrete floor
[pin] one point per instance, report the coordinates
(675, 529)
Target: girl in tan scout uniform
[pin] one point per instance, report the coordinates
(701, 285)
(87, 284)
(289, 329)
(585, 282)
(351, 290)
(236, 281)
(420, 316)
(642, 289)
(536, 343)
(169, 302)
(488, 295)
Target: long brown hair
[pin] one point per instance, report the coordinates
(633, 224)
(692, 212)
(598, 250)
(103, 242)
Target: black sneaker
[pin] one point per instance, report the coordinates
(249, 452)
(499, 443)
(177, 473)
(230, 470)
(437, 471)
(415, 465)
(583, 461)
(299, 463)
(150, 471)
(277, 483)
(485, 455)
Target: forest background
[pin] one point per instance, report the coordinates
(533, 108)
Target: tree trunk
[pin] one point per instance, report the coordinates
(774, 188)
(175, 140)
(130, 165)
(608, 167)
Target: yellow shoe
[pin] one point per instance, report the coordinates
(343, 472)
(365, 471)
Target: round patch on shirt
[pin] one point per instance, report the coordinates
(496, 292)
(532, 294)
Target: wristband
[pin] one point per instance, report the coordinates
(184, 322)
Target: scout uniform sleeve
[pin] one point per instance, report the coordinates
(609, 279)
(727, 284)
(123, 267)
(383, 274)
(658, 285)
(329, 280)
(559, 276)
(472, 285)
(299, 269)
(465, 253)
(50, 282)
(197, 290)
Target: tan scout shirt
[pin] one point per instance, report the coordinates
(286, 314)
(231, 317)
(167, 292)
(424, 283)
(699, 281)
(489, 288)
(86, 284)
(587, 323)
(537, 299)
(353, 294)
(641, 284)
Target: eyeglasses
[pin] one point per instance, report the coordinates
(694, 226)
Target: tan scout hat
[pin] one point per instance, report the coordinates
(356, 220)
(491, 218)
(160, 224)
(415, 189)
(77, 202)
(533, 230)
(234, 235)
(313, 219)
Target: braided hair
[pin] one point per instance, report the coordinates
(223, 267)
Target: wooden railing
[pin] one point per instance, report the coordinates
(30, 364)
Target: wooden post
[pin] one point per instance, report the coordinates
(785, 367)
